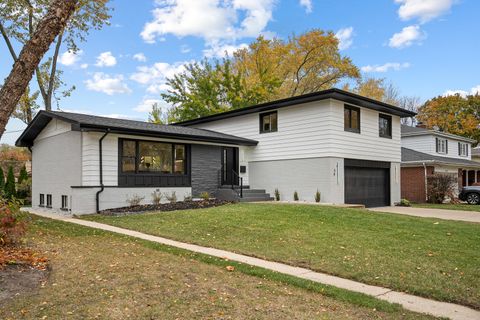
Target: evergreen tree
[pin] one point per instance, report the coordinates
(2, 179)
(23, 175)
(9, 189)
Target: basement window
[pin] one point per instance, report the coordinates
(49, 200)
(64, 202)
(42, 200)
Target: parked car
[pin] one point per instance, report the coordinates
(471, 194)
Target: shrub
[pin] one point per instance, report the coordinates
(317, 196)
(295, 196)
(440, 186)
(10, 191)
(23, 175)
(277, 195)
(403, 203)
(172, 197)
(24, 191)
(157, 197)
(134, 200)
(187, 197)
(13, 223)
(205, 196)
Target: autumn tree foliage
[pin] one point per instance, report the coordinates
(454, 114)
(267, 70)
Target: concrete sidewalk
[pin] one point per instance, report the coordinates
(409, 302)
(457, 215)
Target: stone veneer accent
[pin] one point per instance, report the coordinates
(206, 163)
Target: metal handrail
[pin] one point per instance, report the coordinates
(241, 183)
(235, 174)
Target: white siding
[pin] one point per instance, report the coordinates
(426, 144)
(313, 130)
(53, 128)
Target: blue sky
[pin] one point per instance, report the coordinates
(424, 47)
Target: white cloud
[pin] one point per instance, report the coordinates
(396, 66)
(345, 38)
(110, 85)
(208, 19)
(146, 105)
(84, 65)
(463, 93)
(219, 50)
(155, 76)
(69, 58)
(106, 59)
(139, 57)
(424, 10)
(185, 49)
(307, 4)
(408, 36)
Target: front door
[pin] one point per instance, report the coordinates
(229, 166)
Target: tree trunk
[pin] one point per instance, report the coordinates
(30, 56)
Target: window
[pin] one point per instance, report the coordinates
(64, 202)
(463, 149)
(351, 116)
(152, 157)
(49, 200)
(385, 126)
(268, 122)
(42, 200)
(442, 145)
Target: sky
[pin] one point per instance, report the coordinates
(425, 48)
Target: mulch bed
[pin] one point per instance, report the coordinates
(181, 205)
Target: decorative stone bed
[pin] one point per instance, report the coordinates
(180, 205)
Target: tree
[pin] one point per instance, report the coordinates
(2, 179)
(34, 49)
(454, 114)
(18, 21)
(267, 70)
(156, 115)
(9, 188)
(23, 175)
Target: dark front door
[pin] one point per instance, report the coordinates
(230, 165)
(367, 183)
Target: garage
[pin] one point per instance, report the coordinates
(367, 182)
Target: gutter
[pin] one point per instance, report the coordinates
(102, 187)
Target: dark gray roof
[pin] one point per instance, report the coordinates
(409, 155)
(410, 129)
(333, 93)
(87, 122)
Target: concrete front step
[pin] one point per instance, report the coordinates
(263, 197)
(254, 191)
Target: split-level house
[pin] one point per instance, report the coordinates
(426, 152)
(345, 146)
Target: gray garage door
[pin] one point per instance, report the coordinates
(367, 182)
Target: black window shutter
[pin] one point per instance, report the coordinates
(459, 149)
(446, 146)
(436, 145)
(466, 148)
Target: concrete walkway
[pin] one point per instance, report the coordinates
(458, 215)
(409, 302)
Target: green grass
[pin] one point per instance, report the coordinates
(98, 274)
(433, 258)
(446, 206)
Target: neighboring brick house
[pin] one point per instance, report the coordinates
(425, 152)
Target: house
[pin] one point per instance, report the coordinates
(344, 145)
(425, 152)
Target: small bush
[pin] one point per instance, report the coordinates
(13, 223)
(10, 191)
(295, 196)
(403, 203)
(172, 197)
(317, 196)
(440, 186)
(134, 200)
(277, 195)
(187, 197)
(205, 196)
(157, 197)
(24, 191)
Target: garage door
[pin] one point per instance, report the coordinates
(367, 182)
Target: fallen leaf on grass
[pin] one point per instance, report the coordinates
(230, 268)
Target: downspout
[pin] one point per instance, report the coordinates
(426, 183)
(97, 196)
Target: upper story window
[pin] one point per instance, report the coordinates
(385, 126)
(351, 116)
(442, 145)
(268, 122)
(152, 157)
(463, 149)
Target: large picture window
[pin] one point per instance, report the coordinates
(152, 157)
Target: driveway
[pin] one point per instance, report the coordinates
(458, 215)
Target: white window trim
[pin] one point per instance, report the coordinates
(463, 149)
(442, 145)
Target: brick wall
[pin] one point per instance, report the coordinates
(413, 183)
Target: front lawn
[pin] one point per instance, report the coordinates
(447, 206)
(428, 257)
(100, 275)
